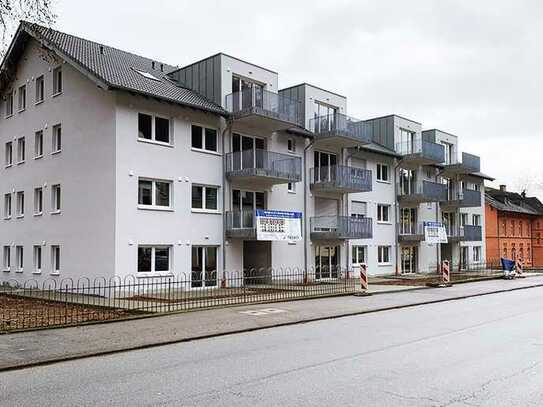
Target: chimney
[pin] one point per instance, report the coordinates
(503, 188)
(523, 193)
(101, 50)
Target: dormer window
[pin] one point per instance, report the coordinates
(146, 74)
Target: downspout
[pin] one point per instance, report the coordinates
(304, 221)
(228, 129)
(397, 212)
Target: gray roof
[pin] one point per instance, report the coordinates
(110, 67)
(513, 202)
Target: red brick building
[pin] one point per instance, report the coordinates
(514, 226)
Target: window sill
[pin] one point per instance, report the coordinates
(210, 211)
(21, 110)
(8, 165)
(39, 102)
(38, 214)
(56, 152)
(158, 143)
(6, 270)
(292, 192)
(384, 264)
(150, 274)
(7, 218)
(380, 222)
(20, 162)
(38, 157)
(54, 273)
(36, 272)
(201, 150)
(383, 182)
(8, 116)
(19, 271)
(155, 208)
(56, 212)
(20, 216)
(56, 94)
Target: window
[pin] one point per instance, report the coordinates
(463, 219)
(204, 138)
(476, 253)
(9, 153)
(291, 145)
(9, 104)
(37, 259)
(22, 98)
(7, 206)
(55, 259)
(204, 266)
(20, 204)
(38, 201)
(382, 173)
(476, 187)
(159, 132)
(383, 213)
(358, 209)
(154, 259)
(57, 81)
(7, 258)
(55, 198)
(383, 254)
(291, 187)
(38, 144)
(204, 197)
(19, 256)
(40, 87)
(358, 254)
(57, 139)
(476, 220)
(154, 193)
(21, 150)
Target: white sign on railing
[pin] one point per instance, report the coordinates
(278, 225)
(434, 232)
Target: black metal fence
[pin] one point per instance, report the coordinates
(33, 304)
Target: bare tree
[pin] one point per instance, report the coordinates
(12, 11)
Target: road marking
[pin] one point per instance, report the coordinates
(265, 311)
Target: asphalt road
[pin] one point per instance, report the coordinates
(484, 351)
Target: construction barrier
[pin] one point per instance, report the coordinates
(364, 276)
(519, 267)
(446, 272)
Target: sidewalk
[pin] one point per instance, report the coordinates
(45, 346)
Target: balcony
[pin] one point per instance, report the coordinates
(262, 167)
(467, 198)
(420, 192)
(410, 232)
(339, 131)
(466, 233)
(340, 179)
(263, 110)
(470, 163)
(340, 228)
(240, 224)
(420, 152)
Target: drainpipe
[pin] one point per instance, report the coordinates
(397, 212)
(304, 217)
(228, 129)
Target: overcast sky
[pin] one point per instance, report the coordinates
(471, 68)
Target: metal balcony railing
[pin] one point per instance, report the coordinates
(464, 198)
(240, 224)
(410, 231)
(469, 163)
(422, 149)
(425, 191)
(265, 103)
(341, 178)
(340, 125)
(264, 163)
(341, 227)
(466, 233)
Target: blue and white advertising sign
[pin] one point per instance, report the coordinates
(278, 225)
(435, 232)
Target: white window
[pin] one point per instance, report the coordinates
(291, 145)
(7, 206)
(19, 256)
(7, 258)
(22, 98)
(463, 219)
(476, 220)
(56, 198)
(476, 254)
(9, 104)
(383, 254)
(38, 144)
(153, 128)
(358, 254)
(154, 259)
(476, 187)
(55, 259)
(204, 266)
(37, 259)
(40, 89)
(20, 204)
(204, 138)
(358, 209)
(9, 153)
(204, 197)
(383, 213)
(57, 139)
(154, 193)
(382, 173)
(21, 147)
(291, 187)
(38, 201)
(57, 81)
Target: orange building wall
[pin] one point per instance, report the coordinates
(491, 232)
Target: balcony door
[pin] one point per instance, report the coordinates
(449, 157)
(407, 181)
(408, 221)
(408, 259)
(248, 152)
(327, 263)
(325, 117)
(407, 142)
(246, 93)
(449, 221)
(244, 204)
(325, 165)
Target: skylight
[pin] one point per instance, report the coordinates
(146, 75)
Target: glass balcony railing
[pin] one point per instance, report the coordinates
(341, 227)
(410, 231)
(469, 163)
(418, 149)
(277, 167)
(338, 125)
(464, 198)
(241, 224)
(425, 191)
(340, 178)
(466, 233)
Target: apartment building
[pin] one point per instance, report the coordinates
(120, 165)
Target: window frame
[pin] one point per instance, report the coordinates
(9, 105)
(354, 248)
(203, 280)
(38, 191)
(380, 214)
(153, 139)
(40, 89)
(21, 97)
(476, 220)
(8, 214)
(380, 255)
(204, 209)
(57, 81)
(20, 202)
(56, 260)
(477, 250)
(19, 259)
(56, 199)
(153, 271)
(8, 163)
(38, 136)
(204, 148)
(6, 258)
(379, 173)
(291, 187)
(35, 250)
(291, 145)
(56, 145)
(153, 205)
(21, 152)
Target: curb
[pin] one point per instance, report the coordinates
(258, 328)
